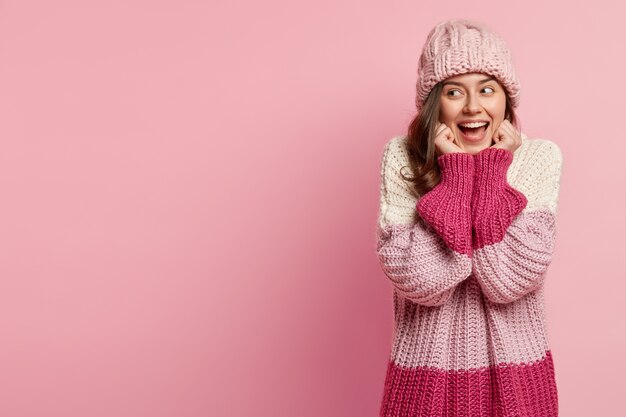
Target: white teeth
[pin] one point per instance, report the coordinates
(473, 125)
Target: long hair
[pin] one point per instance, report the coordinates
(421, 142)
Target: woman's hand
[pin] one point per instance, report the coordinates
(506, 137)
(445, 141)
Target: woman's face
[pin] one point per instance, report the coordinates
(472, 97)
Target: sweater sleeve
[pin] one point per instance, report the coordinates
(513, 233)
(423, 262)
(447, 207)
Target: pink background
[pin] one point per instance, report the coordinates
(190, 190)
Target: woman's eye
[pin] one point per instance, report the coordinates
(450, 92)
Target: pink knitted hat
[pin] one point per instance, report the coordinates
(459, 46)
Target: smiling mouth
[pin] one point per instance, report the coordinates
(473, 133)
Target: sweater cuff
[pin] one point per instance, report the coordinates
(494, 203)
(457, 170)
(491, 167)
(447, 206)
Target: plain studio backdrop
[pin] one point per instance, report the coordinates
(190, 191)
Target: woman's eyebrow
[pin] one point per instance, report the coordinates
(461, 84)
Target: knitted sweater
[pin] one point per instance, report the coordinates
(467, 262)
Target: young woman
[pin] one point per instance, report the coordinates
(466, 231)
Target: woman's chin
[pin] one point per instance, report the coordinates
(474, 148)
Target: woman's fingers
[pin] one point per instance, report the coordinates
(507, 137)
(445, 140)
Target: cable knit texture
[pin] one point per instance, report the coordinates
(459, 46)
(467, 261)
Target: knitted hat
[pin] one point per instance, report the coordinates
(460, 46)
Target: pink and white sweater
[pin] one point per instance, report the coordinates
(467, 262)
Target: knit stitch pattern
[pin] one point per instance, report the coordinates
(467, 262)
(446, 207)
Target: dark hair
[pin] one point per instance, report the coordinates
(421, 142)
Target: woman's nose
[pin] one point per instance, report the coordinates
(472, 104)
